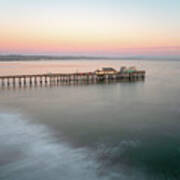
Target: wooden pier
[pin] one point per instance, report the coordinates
(55, 78)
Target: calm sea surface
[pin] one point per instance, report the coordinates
(116, 131)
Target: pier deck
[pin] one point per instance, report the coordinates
(50, 78)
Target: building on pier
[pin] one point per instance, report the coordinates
(131, 69)
(106, 70)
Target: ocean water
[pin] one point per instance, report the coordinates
(114, 131)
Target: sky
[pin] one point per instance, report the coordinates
(90, 27)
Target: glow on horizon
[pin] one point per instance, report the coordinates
(124, 27)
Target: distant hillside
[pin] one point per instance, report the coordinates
(47, 57)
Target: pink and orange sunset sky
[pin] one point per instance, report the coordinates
(90, 27)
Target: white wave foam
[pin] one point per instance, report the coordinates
(42, 158)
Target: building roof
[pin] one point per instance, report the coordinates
(108, 69)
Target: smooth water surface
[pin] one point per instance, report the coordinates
(115, 131)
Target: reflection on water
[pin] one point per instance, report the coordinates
(99, 131)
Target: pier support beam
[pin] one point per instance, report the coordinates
(45, 80)
(14, 81)
(2, 82)
(30, 81)
(19, 81)
(24, 81)
(35, 80)
(8, 83)
(41, 81)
